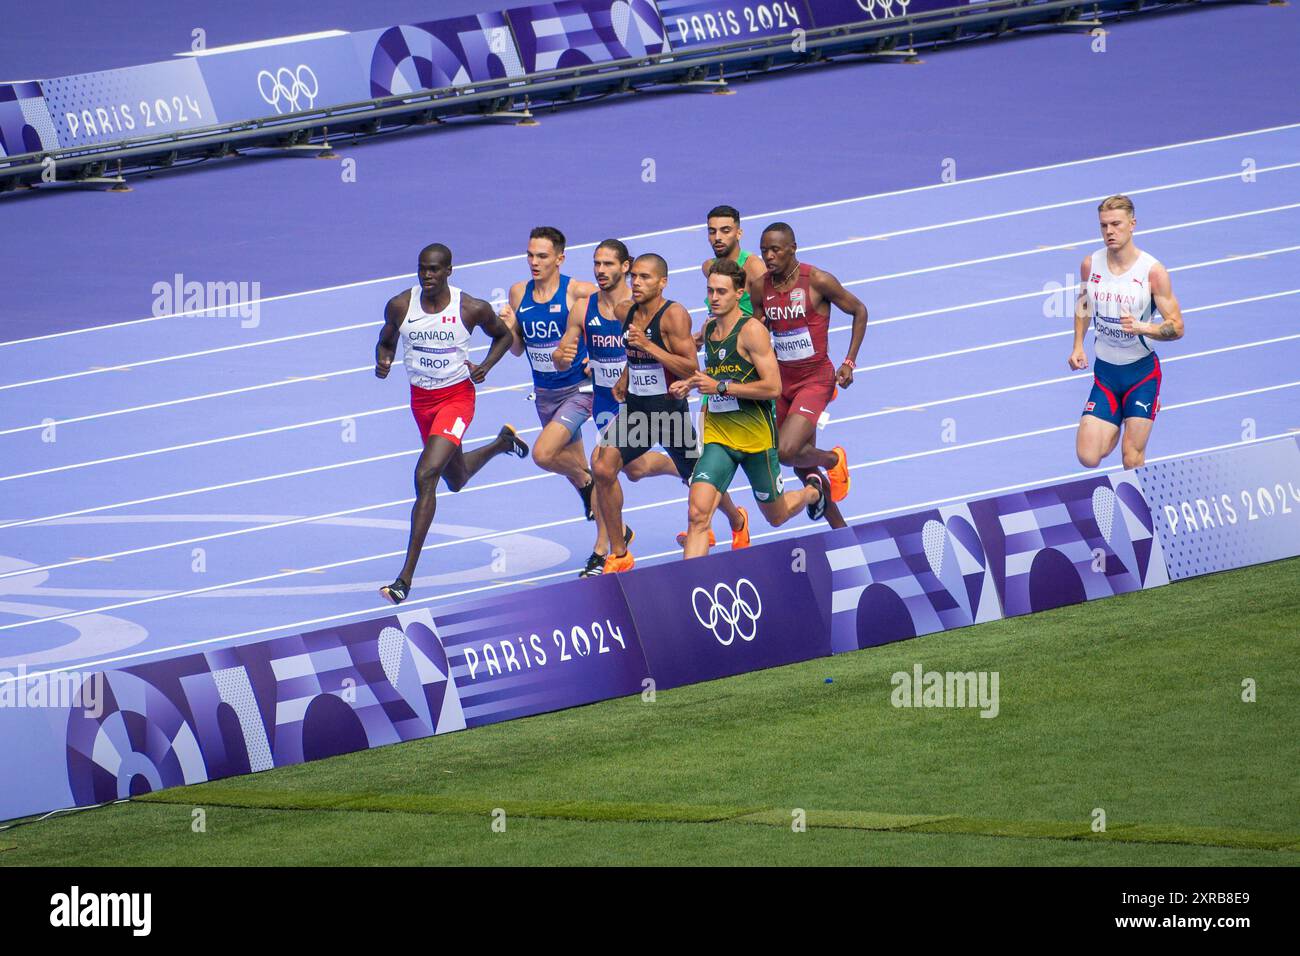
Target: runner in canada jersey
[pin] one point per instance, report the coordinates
(1121, 290)
(795, 300)
(433, 321)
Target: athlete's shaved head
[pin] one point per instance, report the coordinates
(436, 248)
(781, 227)
(657, 262)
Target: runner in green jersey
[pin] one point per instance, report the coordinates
(739, 383)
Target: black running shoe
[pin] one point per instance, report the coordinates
(818, 507)
(628, 535)
(585, 493)
(595, 566)
(396, 592)
(518, 447)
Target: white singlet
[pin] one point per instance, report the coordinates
(1109, 297)
(435, 344)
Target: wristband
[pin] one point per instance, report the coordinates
(849, 362)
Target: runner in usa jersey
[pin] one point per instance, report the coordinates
(537, 314)
(795, 299)
(1126, 296)
(433, 321)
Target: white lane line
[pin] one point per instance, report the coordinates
(1263, 131)
(1065, 290)
(1077, 376)
(185, 355)
(98, 370)
(393, 408)
(1028, 210)
(787, 529)
(348, 562)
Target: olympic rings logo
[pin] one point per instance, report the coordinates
(729, 606)
(884, 9)
(288, 87)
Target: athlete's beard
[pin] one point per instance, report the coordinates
(728, 253)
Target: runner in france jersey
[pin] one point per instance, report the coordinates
(795, 299)
(739, 383)
(433, 321)
(537, 313)
(1121, 290)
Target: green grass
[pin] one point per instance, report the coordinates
(1132, 705)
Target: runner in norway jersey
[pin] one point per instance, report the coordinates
(1126, 296)
(433, 322)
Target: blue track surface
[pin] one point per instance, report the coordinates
(206, 434)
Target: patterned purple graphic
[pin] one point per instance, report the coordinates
(727, 614)
(271, 704)
(1075, 542)
(440, 54)
(25, 124)
(573, 33)
(1215, 512)
(907, 576)
(561, 646)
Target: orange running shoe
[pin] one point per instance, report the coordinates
(616, 565)
(740, 539)
(681, 538)
(839, 475)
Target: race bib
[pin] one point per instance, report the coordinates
(540, 359)
(793, 345)
(606, 374)
(723, 403)
(647, 380)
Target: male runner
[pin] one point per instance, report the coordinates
(1117, 283)
(537, 313)
(740, 380)
(723, 224)
(592, 322)
(795, 300)
(660, 350)
(434, 321)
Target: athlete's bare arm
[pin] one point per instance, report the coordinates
(1078, 357)
(1170, 327)
(386, 347)
(567, 350)
(511, 320)
(580, 290)
(476, 313)
(754, 286)
(679, 355)
(830, 290)
(754, 272)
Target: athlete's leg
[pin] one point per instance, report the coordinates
(788, 505)
(702, 502)
(1095, 440)
(1137, 432)
(556, 451)
(608, 492)
(433, 461)
(796, 448)
(462, 466)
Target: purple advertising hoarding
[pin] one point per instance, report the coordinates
(442, 53)
(285, 78)
(691, 23)
(727, 614)
(93, 108)
(561, 646)
(1074, 542)
(907, 576)
(834, 13)
(1215, 512)
(25, 123)
(572, 33)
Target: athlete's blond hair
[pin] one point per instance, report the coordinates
(1117, 202)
